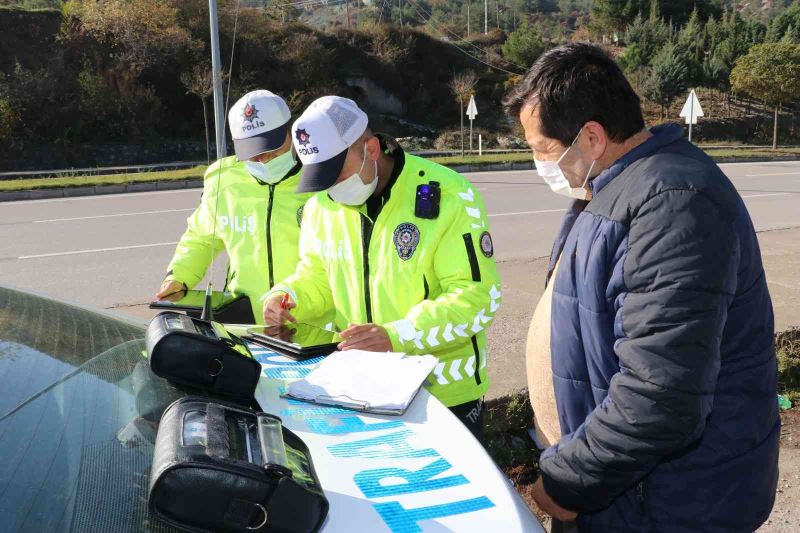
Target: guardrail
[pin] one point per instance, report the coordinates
(135, 169)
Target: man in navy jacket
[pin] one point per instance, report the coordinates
(663, 363)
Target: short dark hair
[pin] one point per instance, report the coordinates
(573, 84)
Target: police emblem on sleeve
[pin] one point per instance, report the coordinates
(406, 239)
(486, 244)
(300, 215)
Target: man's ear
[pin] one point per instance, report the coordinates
(596, 139)
(373, 148)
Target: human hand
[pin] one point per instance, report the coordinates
(370, 337)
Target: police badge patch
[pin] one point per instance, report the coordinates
(300, 215)
(406, 239)
(486, 244)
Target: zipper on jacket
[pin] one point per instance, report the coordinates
(476, 276)
(269, 234)
(641, 497)
(477, 359)
(366, 235)
(473, 259)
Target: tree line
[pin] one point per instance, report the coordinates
(88, 71)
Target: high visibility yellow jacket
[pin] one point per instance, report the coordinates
(257, 224)
(432, 283)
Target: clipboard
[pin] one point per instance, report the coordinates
(345, 402)
(383, 383)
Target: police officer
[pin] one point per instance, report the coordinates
(258, 212)
(399, 247)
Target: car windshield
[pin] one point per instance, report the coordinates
(78, 417)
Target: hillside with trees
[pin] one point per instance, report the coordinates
(84, 79)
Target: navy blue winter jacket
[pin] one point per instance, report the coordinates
(662, 351)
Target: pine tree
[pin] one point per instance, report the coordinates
(792, 35)
(668, 77)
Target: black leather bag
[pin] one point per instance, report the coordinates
(200, 354)
(215, 468)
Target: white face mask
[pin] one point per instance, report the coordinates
(273, 170)
(353, 191)
(551, 173)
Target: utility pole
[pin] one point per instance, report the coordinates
(497, 5)
(216, 71)
(485, 17)
(468, 3)
(461, 101)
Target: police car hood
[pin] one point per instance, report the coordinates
(78, 414)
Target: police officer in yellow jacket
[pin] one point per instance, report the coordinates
(399, 247)
(252, 195)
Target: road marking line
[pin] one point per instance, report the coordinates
(797, 173)
(112, 215)
(100, 196)
(766, 194)
(96, 250)
(528, 212)
(765, 163)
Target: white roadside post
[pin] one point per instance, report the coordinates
(691, 110)
(472, 112)
(480, 145)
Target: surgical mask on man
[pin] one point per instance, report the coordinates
(353, 191)
(273, 170)
(551, 173)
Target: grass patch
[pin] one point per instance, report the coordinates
(506, 434)
(752, 153)
(27, 184)
(787, 346)
(197, 172)
(507, 442)
(515, 157)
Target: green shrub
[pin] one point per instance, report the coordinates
(787, 346)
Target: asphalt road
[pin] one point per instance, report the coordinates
(111, 251)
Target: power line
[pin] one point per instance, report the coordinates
(421, 12)
(461, 38)
(310, 3)
(470, 43)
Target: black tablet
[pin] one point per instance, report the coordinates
(227, 307)
(194, 300)
(296, 341)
